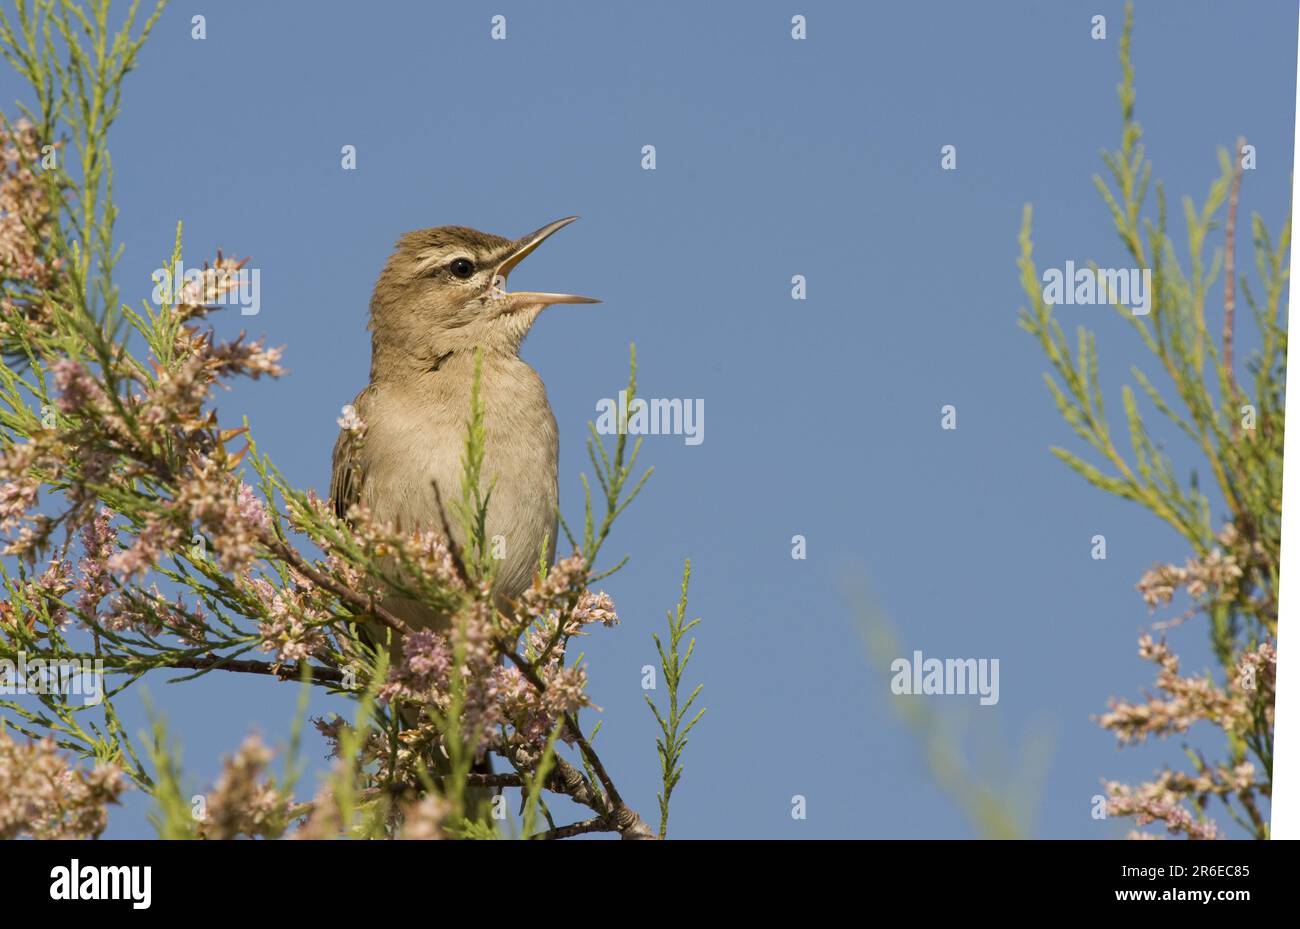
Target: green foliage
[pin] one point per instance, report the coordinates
(534, 786)
(674, 726)
(359, 814)
(1235, 426)
(473, 506)
(75, 63)
(172, 816)
(612, 474)
(1246, 465)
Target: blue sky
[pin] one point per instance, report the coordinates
(775, 157)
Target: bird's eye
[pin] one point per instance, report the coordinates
(462, 268)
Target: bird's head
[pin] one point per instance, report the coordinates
(444, 290)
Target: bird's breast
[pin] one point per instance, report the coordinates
(413, 459)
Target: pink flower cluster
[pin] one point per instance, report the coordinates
(1219, 573)
(1236, 709)
(1188, 700)
(98, 545)
(498, 694)
(244, 802)
(42, 796)
(297, 618)
(212, 500)
(216, 279)
(26, 223)
(1154, 802)
(20, 489)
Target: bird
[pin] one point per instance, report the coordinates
(439, 304)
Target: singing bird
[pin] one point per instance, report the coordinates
(440, 298)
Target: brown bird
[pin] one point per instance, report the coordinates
(440, 298)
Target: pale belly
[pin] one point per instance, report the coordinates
(424, 452)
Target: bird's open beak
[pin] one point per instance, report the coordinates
(523, 248)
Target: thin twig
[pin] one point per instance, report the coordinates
(285, 672)
(471, 779)
(595, 824)
(621, 816)
(288, 554)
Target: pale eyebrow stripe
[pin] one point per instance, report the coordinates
(445, 254)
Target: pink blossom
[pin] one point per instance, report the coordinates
(595, 608)
(98, 544)
(42, 796)
(78, 390)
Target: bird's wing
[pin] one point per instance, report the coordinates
(348, 475)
